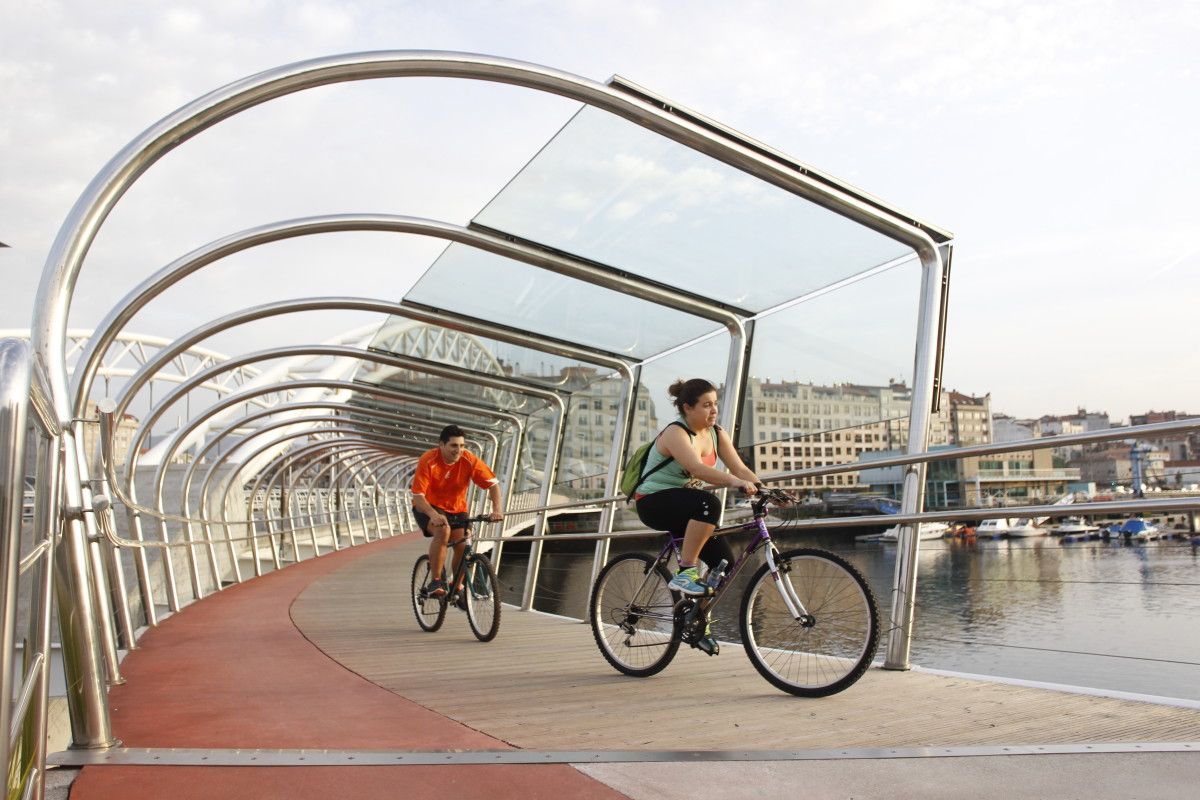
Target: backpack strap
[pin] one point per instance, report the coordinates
(642, 478)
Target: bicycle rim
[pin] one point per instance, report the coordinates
(832, 652)
(632, 615)
(430, 611)
(482, 590)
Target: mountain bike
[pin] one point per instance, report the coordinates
(473, 588)
(809, 622)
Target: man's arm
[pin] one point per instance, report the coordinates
(497, 502)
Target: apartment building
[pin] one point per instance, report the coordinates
(591, 423)
(790, 425)
(1181, 446)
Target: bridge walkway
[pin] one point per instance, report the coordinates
(326, 655)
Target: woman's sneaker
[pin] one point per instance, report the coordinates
(688, 582)
(708, 643)
(435, 588)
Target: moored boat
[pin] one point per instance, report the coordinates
(926, 530)
(1073, 526)
(1025, 528)
(1139, 530)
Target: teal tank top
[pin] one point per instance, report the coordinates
(672, 476)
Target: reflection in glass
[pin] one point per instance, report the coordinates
(613, 192)
(500, 290)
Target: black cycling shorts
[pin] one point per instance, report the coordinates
(456, 520)
(671, 509)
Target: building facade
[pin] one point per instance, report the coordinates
(788, 426)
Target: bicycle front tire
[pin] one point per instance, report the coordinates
(825, 654)
(430, 611)
(632, 613)
(482, 590)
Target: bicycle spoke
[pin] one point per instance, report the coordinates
(829, 650)
(632, 615)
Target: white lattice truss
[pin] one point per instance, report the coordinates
(130, 352)
(442, 345)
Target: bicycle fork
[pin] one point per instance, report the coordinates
(783, 583)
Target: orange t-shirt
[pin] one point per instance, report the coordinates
(445, 485)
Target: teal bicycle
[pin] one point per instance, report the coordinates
(473, 588)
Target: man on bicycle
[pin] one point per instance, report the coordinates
(439, 490)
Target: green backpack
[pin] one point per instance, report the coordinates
(632, 477)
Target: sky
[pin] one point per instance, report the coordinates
(1056, 140)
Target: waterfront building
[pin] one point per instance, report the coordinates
(591, 424)
(1179, 447)
(1017, 478)
(1180, 474)
(1010, 429)
(1113, 466)
(1081, 421)
(794, 425)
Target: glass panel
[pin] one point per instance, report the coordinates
(435, 386)
(613, 192)
(445, 346)
(837, 361)
(706, 359)
(591, 428)
(435, 417)
(497, 289)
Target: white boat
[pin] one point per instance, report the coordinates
(926, 530)
(991, 528)
(1015, 528)
(1024, 529)
(1072, 526)
(1138, 530)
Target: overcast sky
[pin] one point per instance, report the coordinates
(1056, 140)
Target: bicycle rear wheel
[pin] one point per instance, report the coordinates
(482, 590)
(633, 616)
(430, 611)
(828, 651)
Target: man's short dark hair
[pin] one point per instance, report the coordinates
(449, 432)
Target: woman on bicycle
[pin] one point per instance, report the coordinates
(670, 499)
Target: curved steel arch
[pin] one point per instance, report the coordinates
(74, 239)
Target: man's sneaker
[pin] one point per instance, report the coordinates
(688, 582)
(435, 589)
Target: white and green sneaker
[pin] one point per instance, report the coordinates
(688, 582)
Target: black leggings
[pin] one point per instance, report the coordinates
(671, 509)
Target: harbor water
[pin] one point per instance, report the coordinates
(1105, 615)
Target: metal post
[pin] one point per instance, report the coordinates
(622, 428)
(904, 590)
(87, 695)
(553, 452)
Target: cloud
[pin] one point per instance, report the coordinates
(1054, 139)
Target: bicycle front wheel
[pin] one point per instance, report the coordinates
(482, 591)
(430, 611)
(829, 649)
(632, 613)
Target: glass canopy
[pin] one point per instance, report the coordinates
(829, 306)
(618, 194)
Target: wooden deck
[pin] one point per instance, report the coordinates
(543, 685)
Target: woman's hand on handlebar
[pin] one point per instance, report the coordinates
(495, 516)
(745, 487)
